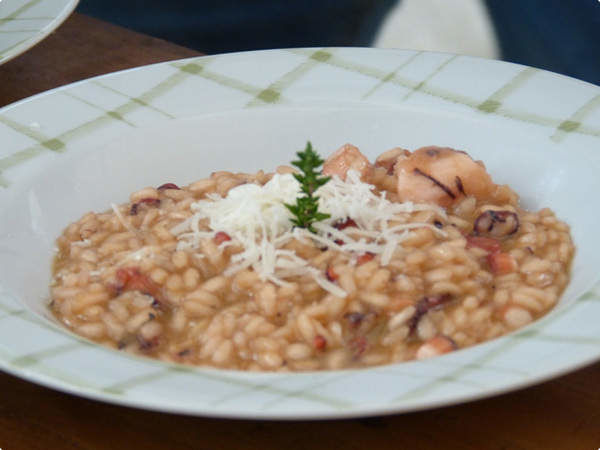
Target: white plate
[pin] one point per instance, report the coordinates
(83, 146)
(24, 23)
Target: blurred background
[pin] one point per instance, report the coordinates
(558, 35)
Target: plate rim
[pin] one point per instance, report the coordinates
(39, 378)
(41, 34)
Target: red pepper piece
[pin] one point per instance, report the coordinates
(131, 279)
(221, 237)
(364, 258)
(330, 274)
(320, 342)
(501, 263)
(488, 244)
(345, 224)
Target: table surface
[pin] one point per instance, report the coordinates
(560, 414)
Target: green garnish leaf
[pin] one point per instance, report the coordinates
(306, 209)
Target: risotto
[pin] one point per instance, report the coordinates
(422, 254)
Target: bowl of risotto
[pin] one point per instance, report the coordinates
(154, 253)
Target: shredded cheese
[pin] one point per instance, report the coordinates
(82, 243)
(145, 252)
(122, 219)
(256, 220)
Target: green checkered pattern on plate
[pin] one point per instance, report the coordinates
(220, 83)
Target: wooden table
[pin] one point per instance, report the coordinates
(561, 414)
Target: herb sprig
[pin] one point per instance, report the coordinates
(306, 209)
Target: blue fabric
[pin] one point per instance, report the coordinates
(234, 25)
(558, 35)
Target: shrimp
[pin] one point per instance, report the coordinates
(436, 346)
(346, 158)
(441, 175)
(388, 159)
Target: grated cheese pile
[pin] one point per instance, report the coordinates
(256, 219)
